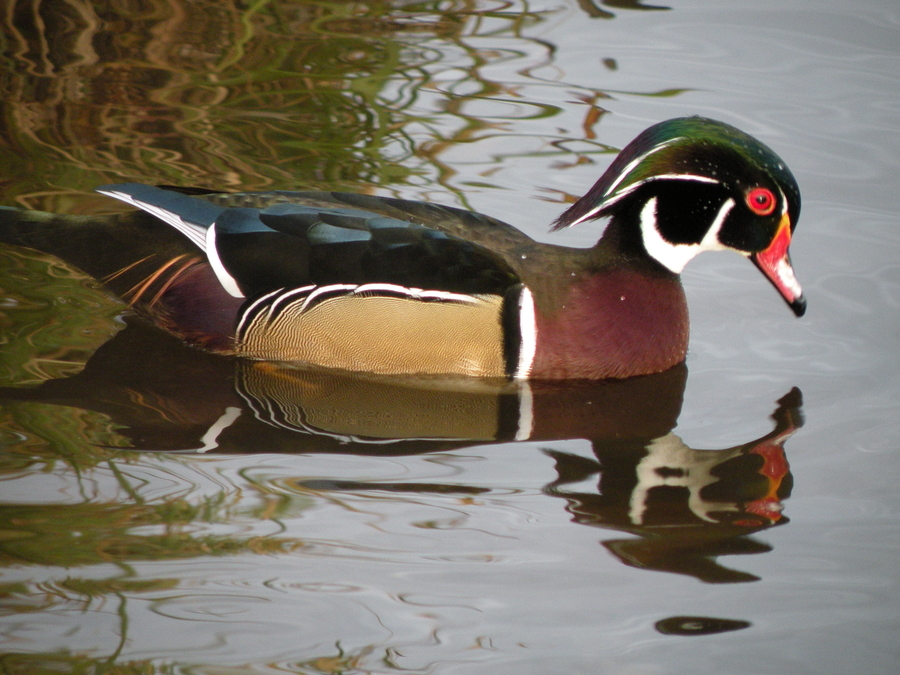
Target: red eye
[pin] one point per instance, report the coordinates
(761, 201)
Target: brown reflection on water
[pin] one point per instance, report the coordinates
(282, 95)
(147, 391)
(687, 506)
(103, 412)
(208, 92)
(594, 10)
(278, 94)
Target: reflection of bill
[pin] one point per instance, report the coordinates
(671, 463)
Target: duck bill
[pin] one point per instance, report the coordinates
(775, 263)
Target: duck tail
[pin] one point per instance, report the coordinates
(100, 246)
(138, 258)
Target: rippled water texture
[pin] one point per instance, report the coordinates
(168, 511)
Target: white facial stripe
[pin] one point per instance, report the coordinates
(664, 176)
(527, 335)
(609, 202)
(590, 213)
(711, 238)
(634, 186)
(627, 170)
(676, 256)
(680, 176)
(658, 248)
(227, 281)
(633, 163)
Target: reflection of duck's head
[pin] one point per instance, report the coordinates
(378, 285)
(686, 505)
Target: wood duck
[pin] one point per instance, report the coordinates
(389, 286)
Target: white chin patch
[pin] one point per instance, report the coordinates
(676, 256)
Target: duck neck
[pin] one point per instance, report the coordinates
(621, 314)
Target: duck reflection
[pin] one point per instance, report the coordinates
(685, 507)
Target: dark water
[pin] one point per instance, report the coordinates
(166, 511)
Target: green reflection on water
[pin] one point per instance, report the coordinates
(263, 95)
(76, 535)
(279, 95)
(276, 94)
(52, 317)
(362, 660)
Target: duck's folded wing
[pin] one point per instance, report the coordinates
(259, 242)
(467, 225)
(353, 246)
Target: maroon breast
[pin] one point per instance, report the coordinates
(619, 323)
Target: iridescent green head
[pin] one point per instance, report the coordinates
(693, 184)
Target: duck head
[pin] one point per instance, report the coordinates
(693, 184)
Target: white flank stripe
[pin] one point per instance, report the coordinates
(320, 291)
(281, 300)
(526, 412)
(258, 301)
(527, 333)
(388, 288)
(227, 281)
(211, 437)
(415, 293)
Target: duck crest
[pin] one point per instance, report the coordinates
(685, 148)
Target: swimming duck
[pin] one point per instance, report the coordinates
(390, 286)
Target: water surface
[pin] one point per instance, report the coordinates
(167, 511)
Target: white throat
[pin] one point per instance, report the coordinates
(676, 256)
